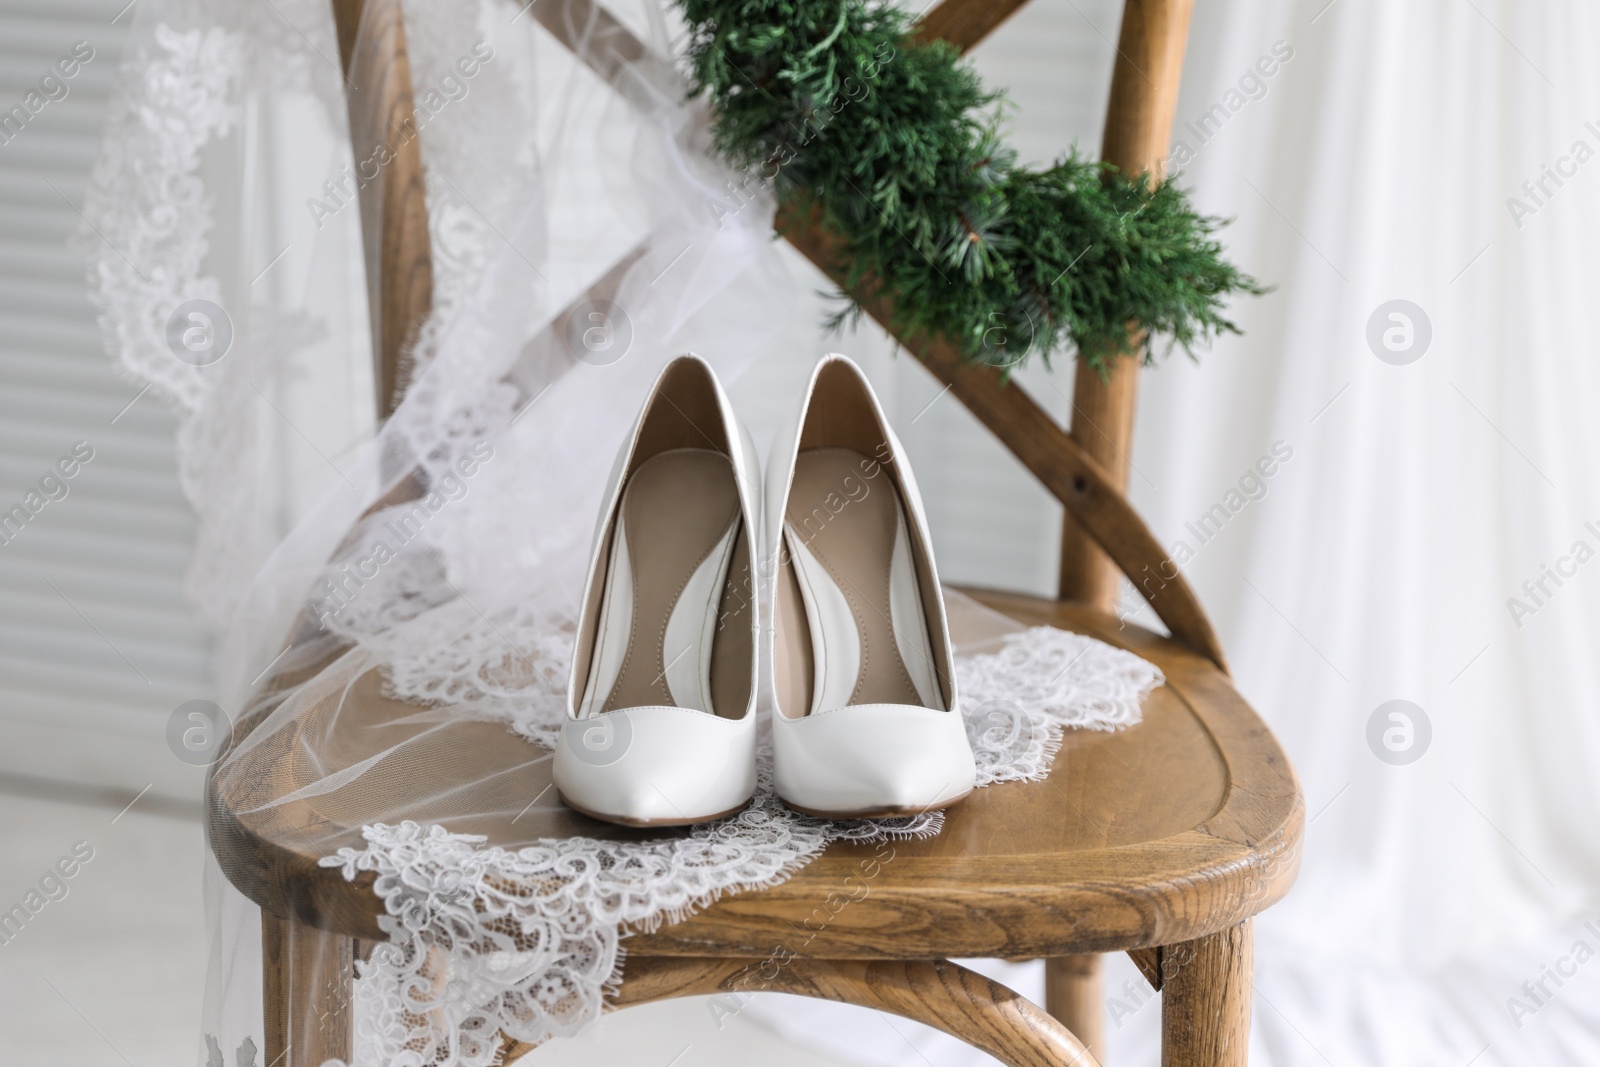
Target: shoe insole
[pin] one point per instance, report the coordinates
(676, 537)
(850, 562)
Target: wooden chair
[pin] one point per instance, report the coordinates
(1162, 840)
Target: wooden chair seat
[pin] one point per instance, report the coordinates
(1179, 827)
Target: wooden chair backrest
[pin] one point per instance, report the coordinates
(1086, 468)
(394, 208)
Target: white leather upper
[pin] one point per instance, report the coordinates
(746, 463)
(909, 621)
(657, 764)
(779, 481)
(872, 757)
(836, 757)
(605, 662)
(663, 764)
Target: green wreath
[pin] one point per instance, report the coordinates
(899, 143)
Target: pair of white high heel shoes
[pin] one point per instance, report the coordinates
(661, 724)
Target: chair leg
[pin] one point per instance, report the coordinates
(1075, 993)
(1205, 1000)
(307, 977)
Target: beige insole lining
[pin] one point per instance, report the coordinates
(851, 532)
(676, 510)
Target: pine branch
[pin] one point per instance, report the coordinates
(900, 144)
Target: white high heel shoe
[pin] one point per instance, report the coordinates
(867, 722)
(660, 724)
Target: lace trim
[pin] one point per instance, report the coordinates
(169, 148)
(527, 943)
(186, 94)
(1042, 681)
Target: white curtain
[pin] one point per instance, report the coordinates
(1446, 910)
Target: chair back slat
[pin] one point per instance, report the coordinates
(1138, 133)
(965, 22)
(388, 164)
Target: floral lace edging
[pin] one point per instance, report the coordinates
(1021, 699)
(485, 942)
(527, 943)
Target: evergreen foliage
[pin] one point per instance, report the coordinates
(900, 144)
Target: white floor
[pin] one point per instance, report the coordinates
(111, 974)
(681, 1033)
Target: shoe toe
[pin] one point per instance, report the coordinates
(656, 765)
(875, 758)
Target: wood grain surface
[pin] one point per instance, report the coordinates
(1144, 95)
(1205, 1000)
(1075, 993)
(964, 23)
(307, 984)
(385, 144)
